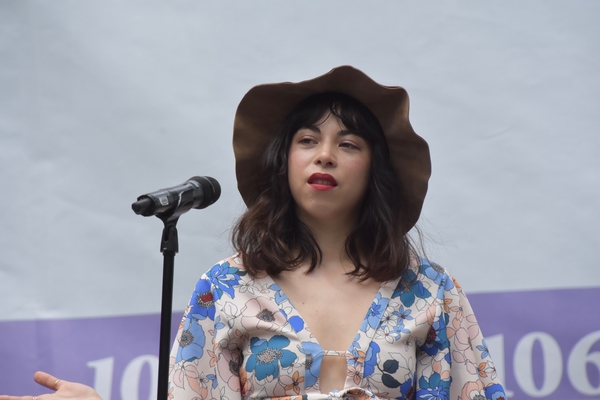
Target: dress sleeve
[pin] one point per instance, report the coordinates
(454, 362)
(203, 362)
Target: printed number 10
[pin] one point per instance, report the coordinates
(130, 381)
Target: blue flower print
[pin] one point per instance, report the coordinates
(407, 389)
(433, 388)
(314, 356)
(357, 353)
(495, 392)
(219, 324)
(484, 349)
(403, 315)
(297, 323)
(267, 355)
(371, 359)
(280, 297)
(191, 342)
(375, 313)
(213, 379)
(224, 277)
(410, 288)
(437, 338)
(203, 302)
(436, 273)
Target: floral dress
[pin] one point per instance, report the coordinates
(242, 338)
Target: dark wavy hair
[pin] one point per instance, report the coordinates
(269, 236)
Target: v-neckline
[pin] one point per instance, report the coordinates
(305, 334)
(357, 352)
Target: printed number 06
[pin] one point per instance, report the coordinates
(578, 361)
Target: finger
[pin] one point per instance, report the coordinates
(5, 397)
(47, 380)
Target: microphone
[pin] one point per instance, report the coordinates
(196, 192)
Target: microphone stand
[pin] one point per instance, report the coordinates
(168, 205)
(169, 246)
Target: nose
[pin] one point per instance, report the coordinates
(326, 155)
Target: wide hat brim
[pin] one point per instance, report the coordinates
(263, 109)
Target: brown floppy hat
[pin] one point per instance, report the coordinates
(263, 109)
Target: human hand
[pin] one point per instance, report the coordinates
(64, 390)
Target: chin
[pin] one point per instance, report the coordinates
(331, 214)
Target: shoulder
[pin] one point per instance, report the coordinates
(426, 274)
(223, 277)
(229, 276)
(228, 268)
(433, 271)
(225, 270)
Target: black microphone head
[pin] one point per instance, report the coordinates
(211, 189)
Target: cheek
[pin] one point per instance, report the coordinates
(365, 177)
(297, 162)
(362, 171)
(294, 170)
(291, 167)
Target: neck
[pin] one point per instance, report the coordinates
(331, 237)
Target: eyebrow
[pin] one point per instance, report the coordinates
(343, 132)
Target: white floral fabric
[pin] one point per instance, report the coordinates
(242, 338)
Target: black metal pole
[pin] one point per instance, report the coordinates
(169, 247)
(168, 205)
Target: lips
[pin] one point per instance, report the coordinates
(322, 182)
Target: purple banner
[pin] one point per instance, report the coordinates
(546, 344)
(116, 355)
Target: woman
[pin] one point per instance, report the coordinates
(326, 297)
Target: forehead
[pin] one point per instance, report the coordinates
(329, 123)
(351, 116)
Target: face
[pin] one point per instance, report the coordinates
(328, 171)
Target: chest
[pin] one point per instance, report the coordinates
(287, 334)
(333, 307)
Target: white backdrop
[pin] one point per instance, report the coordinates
(102, 101)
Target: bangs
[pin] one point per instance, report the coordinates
(355, 116)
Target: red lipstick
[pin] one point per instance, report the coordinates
(322, 182)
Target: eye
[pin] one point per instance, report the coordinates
(352, 141)
(349, 145)
(306, 140)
